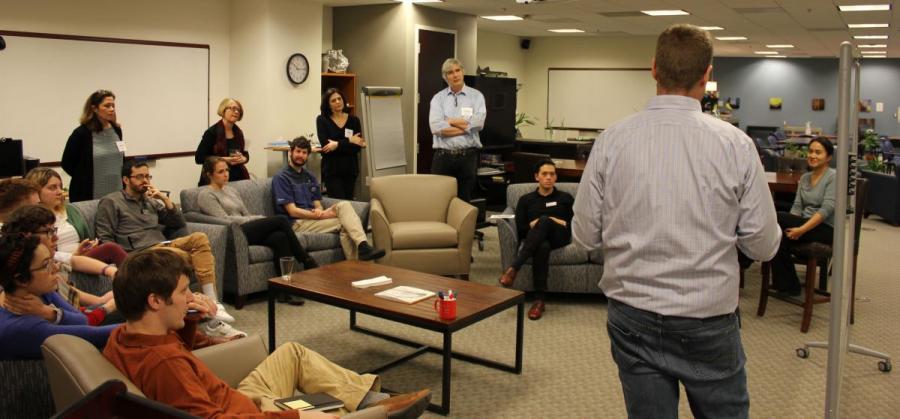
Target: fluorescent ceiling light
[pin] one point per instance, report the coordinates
(873, 52)
(766, 52)
(421, 1)
(780, 46)
(777, 56)
(731, 38)
(502, 17)
(866, 25)
(864, 7)
(870, 37)
(566, 30)
(664, 12)
(712, 28)
(875, 56)
(872, 46)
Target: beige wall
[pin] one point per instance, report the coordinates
(546, 52)
(249, 41)
(502, 52)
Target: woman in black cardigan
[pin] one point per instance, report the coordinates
(95, 142)
(341, 137)
(225, 139)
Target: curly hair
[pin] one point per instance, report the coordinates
(28, 220)
(16, 252)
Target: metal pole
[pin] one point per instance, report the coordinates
(843, 227)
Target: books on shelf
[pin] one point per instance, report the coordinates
(372, 282)
(310, 402)
(405, 294)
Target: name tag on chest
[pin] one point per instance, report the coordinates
(348, 133)
(120, 145)
(551, 204)
(466, 112)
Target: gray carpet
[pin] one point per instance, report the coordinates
(569, 372)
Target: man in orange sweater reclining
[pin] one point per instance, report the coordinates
(151, 291)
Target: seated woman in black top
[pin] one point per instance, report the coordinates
(341, 137)
(543, 223)
(225, 139)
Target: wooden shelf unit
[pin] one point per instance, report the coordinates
(346, 83)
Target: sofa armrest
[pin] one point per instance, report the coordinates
(233, 361)
(381, 227)
(461, 215)
(361, 208)
(509, 241)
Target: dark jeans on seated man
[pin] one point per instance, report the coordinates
(654, 353)
(545, 236)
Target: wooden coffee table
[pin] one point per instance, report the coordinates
(330, 284)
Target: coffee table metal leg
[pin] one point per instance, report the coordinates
(520, 335)
(352, 319)
(271, 320)
(445, 370)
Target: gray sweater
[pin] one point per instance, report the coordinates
(225, 203)
(135, 223)
(816, 199)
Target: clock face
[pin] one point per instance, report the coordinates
(297, 68)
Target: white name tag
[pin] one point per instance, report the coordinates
(551, 204)
(466, 112)
(348, 133)
(121, 146)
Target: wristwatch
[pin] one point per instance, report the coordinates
(59, 314)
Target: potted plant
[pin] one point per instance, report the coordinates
(870, 144)
(523, 119)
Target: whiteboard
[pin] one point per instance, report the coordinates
(162, 92)
(595, 98)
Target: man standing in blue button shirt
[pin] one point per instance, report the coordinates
(456, 117)
(298, 195)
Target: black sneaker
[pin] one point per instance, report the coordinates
(367, 252)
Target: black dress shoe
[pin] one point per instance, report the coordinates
(367, 252)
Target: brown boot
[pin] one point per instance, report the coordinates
(405, 406)
(508, 277)
(537, 310)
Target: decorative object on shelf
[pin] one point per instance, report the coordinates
(487, 72)
(818, 104)
(775, 103)
(732, 104)
(297, 68)
(523, 119)
(337, 62)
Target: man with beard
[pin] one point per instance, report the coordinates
(139, 217)
(298, 195)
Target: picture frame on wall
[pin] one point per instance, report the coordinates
(865, 105)
(775, 103)
(818, 104)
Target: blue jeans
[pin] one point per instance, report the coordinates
(654, 353)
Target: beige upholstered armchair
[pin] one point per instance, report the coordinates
(421, 224)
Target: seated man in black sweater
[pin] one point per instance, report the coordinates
(543, 220)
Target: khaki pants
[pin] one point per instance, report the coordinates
(293, 367)
(347, 222)
(194, 248)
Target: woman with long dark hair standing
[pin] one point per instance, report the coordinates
(225, 139)
(341, 137)
(94, 152)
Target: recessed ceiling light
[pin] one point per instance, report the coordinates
(872, 46)
(712, 28)
(875, 56)
(873, 52)
(731, 38)
(777, 56)
(664, 12)
(864, 7)
(566, 30)
(502, 17)
(866, 25)
(766, 52)
(870, 37)
(780, 46)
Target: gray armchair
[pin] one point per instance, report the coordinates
(75, 368)
(248, 268)
(217, 242)
(24, 393)
(572, 268)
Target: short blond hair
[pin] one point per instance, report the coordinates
(683, 54)
(224, 103)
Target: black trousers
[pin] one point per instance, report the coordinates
(545, 236)
(784, 274)
(275, 233)
(340, 187)
(461, 164)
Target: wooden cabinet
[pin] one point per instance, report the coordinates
(346, 83)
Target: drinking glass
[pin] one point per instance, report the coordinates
(287, 267)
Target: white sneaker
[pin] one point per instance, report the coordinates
(223, 330)
(222, 315)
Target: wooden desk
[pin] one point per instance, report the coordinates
(783, 182)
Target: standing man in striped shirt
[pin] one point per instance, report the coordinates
(671, 194)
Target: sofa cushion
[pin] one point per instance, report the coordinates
(259, 254)
(422, 235)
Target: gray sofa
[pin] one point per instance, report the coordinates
(572, 268)
(248, 268)
(217, 241)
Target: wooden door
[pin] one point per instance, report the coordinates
(434, 48)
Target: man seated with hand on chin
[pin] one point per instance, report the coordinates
(139, 217)
(152, 293)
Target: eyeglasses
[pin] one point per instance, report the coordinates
(50, 232)
(51, 265)
(233, 109)
(142, 177)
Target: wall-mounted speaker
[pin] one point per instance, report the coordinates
(525, 43)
